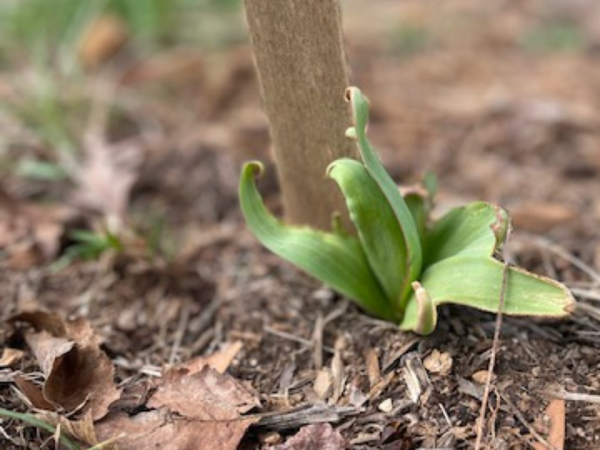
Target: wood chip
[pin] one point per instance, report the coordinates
(438, 362)
(386, 406)
(337, 370)
(480, 377)
(416, 378)
(10, 357)
(555, 413)
(323, 384)
(373, 370)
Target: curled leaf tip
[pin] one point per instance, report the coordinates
(256, 168)
(330, 168)
(426, 310)
(348, 93)
(501, 227)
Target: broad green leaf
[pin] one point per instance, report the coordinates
(476, 229)
(476, 281)
(378, 230)
(360, 112)
(418, 210)
(419, 198)
(336, 259)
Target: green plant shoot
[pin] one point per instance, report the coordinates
(397, 264)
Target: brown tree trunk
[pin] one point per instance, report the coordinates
(302, 73)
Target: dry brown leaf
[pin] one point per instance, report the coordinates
(319, 436)
(556, 433)
(30, 234)
(34, 393)
(10, 357)
(219, 361)
(188, 411)
(79, 375)
(158, 429)
(206, 395)
(104, 36)
(107, 176)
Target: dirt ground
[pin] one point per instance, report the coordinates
(500, 99)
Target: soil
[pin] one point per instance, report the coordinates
(465, 97)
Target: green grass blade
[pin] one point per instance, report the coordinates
(360, 112)
(34, 421)
(475, 229)
(378, 230)
(476, 281)
(335, 259)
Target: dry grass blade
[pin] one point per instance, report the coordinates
(575, 396)
(577, 262)
(495, 344)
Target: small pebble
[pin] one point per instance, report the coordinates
(386, 406)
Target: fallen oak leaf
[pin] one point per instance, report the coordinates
(219, 361)
(159, 429)
(206, 395)
(188, 411)
(318, 436)
(79, 375)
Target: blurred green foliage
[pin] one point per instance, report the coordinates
(409, 38)
(51, 92)
(554, 36)
(38, 29)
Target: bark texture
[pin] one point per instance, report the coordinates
(301, 65)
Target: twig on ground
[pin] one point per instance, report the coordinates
(495, 344)
(304, 415)
(575, 396)
(317, 339)
(585, 293)
(184, 318)
(294, 338)
(574, 260)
